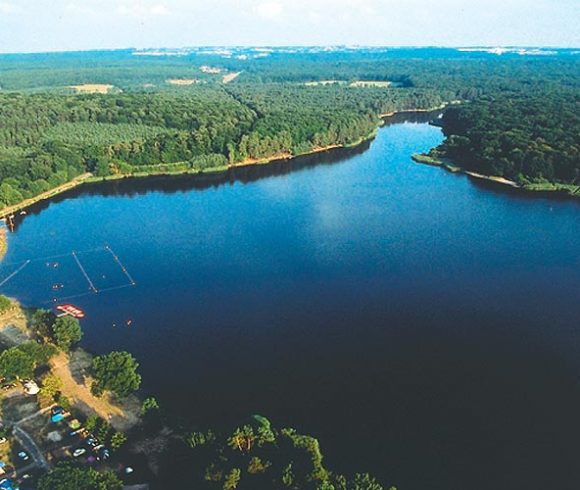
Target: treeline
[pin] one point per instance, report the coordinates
(529, 138)
(295, 119)
(257, 456)
(48, 139)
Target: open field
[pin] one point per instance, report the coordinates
(325, 82)
(210, 69)
(182, 81)
(230, 77)
(92, 88)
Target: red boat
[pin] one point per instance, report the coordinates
(71, 310)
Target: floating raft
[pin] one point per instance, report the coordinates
(71, 310)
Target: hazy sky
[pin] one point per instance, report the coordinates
(48, 25)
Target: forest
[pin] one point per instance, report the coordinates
(527, 138)
(47, 139)
(520, 119)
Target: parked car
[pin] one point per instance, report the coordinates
(92, 441)
(103, 454)
(6, 484)
(23, 455)
(79, 452)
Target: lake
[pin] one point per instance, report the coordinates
(425, 327)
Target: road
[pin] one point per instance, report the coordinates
(30, 446)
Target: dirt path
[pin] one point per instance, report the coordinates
(76, 386)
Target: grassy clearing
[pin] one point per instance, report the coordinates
(183, 81)
(92, 88)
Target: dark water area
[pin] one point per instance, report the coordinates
(425, 328)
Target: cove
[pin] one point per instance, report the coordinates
(423, 326)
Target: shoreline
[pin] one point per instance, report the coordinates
(550, 189)
(69, 367)
(3, 243)
(88, 178)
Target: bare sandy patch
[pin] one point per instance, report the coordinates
(230, 77)
(3, 242)
(73, 372)
(92, 88)
(210, 69)
(182, 81)
(371, 83)
(324, 82)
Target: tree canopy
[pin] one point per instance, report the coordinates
(68, 476)
(16, 364)
(66, 332)
(524, 137)
(115, 372)
(257, 455)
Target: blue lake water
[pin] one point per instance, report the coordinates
(425, 327)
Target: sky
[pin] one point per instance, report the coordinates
(67, 25)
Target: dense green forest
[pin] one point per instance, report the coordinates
(521, 120)
(529, 138)
(256, 456)
(46, 139)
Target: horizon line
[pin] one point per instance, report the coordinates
(300, 46)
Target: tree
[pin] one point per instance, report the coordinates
(42, 322)
(365, 482)
(40, 353)
(148, 405)
(51, 386)
(67, 331)
(67, 476)
(232, 479)
(118, 439)
(16, 364)
(115, 372)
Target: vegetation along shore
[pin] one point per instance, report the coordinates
(201, 165)
(525, 141)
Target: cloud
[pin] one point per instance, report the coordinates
(159, 10)
(9, 8)
(79, 8)
(141, 9)
(269, 10)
